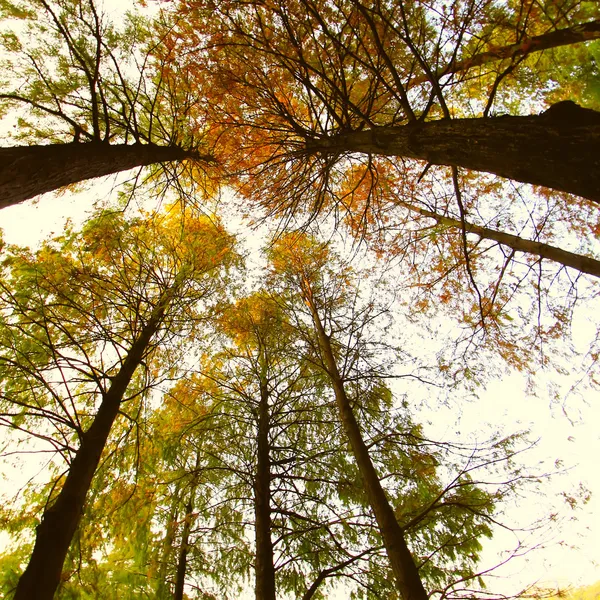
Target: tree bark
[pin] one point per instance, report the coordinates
(576, 34)
(183, 550)
(408, 580)
(559, 149)
(27, 171)
(581, 263)
(163, 591)
(59, 522)
(185, 535)
(264, 567)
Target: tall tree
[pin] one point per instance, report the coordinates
(301, 268)
(354, 71)
(175, 508)
(79, 320)
(272, 394)
(356, 87)
(151, 515)
(97, 95)
(318, 293)
(283, 445)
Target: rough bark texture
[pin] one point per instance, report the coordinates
(405, 571)
(59, 522)
(27, 171)
(584, 32)
(265, 570)
(559, 149)
(585, 264)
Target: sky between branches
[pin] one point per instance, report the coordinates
(566, 429)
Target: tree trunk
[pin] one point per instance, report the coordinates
(185, 534)
(265, 570)
(27, 171)
(183, 550)
(163, 591)
(59, 522)
(559, 149)
(584, 264)
(405, 571)
(576, 34)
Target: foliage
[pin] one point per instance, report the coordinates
(588, 592)
(72, 311)
(82, 71)
(235, 398)
(319, 291)
(73, 72)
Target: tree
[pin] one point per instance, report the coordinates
(302, 272)
(322, 301)
(174, 507)
(380, 84)
(80, 318)
(147, 529)
(328, 115)
(98, 96)
(272, 428)
(218, 439)
(286, 452)
(556, 149)
(342, 113)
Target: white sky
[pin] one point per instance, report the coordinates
(573, 553)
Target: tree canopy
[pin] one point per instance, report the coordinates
(91, 97)
(221, 420)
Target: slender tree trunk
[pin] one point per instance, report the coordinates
(265, 569)
(403, 565)
(59, 522)
(183, 550)
(584, 264)
(185, 534)
(576, 34)
(559, 149)
(163, 591)
(27, 171)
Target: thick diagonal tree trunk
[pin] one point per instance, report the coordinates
(27, 171)
(59, 522)
(406, 573)
(559, 149)
(264, 567)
